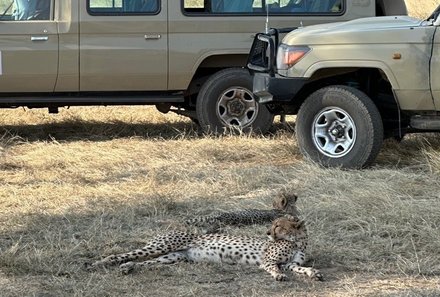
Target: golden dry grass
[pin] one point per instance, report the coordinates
(94, 181)
(421, 8)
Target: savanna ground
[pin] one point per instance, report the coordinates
(95, 181)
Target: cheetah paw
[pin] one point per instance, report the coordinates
(97, 264)
(126, 268)
(317, 275)
(281, 277)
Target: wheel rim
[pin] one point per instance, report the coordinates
(334, 132)
(237, 107)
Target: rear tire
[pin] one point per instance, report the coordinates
(339, 126)
(226, 102)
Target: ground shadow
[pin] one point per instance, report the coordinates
(100, 131)
(76, 130)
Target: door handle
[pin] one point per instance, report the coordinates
(39, 38)
(152, 36)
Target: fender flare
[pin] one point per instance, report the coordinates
(354, 64)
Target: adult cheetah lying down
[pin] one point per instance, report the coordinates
(284, 252)
(284, 203)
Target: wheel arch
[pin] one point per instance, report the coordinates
(209, 64)
(374, 82)
(335, 66)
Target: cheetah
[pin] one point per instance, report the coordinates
(283, 203)
(284, 251)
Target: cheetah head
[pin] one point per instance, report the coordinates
(286, 202)
(287, 227)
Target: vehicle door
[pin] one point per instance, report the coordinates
(123, 45)
(200, 29)
(28, 46)
(435, 67)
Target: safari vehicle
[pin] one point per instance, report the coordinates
(187, 56)
(352, 84)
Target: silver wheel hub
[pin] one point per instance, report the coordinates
(334, 132)
(237, 107)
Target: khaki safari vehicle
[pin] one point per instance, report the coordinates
(352, 84)
(187, 56)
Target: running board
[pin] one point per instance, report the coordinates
(431, 123)
(90, 99)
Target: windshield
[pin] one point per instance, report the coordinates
(6, 9)
(435, 14)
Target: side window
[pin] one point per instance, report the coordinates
(122, 7)
(259, 7)
(24, 10)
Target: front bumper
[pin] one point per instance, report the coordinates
(276, 89)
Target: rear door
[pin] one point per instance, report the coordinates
(123, 45)
(199, 29)
(28, 47)
(435, 68)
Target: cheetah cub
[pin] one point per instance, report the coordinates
(283, 252)
(283, 203)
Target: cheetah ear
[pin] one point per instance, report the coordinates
(284, 201)
(280, 202)
(271, 232)
(300, 224)
(295, 220)
(291, 218)
(295, 197)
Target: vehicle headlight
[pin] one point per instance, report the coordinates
(288, 56)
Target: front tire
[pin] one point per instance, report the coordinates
(226, 102)
(339, 126)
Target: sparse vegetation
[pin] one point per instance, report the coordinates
(94, 181)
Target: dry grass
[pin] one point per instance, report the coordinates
(421, 8)
(95, 181)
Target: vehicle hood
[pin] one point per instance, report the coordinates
(366, 30)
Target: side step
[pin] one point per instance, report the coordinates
(88, 99)
(431, 123)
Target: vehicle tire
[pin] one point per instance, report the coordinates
(339, 126)
(226, 103)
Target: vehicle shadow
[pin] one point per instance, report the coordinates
(76, 130)
(98, 131)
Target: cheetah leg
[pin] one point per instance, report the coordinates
(299, 258)
(309, 271)
(126, 257)
(159, 246)
(170, 258)
(274, 270)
